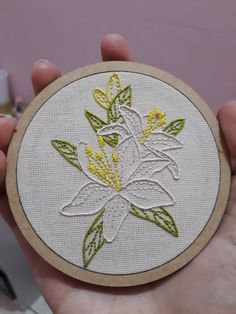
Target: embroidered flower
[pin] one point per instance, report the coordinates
(152, 143)
(115, 183)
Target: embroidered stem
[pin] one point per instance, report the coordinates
(118, 182)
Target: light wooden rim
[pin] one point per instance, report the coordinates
(86, 275)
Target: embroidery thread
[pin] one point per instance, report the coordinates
(155, 143)
(174, 127)
(156, 118)
(110, 99)
(68, 151)
(97, 124)
(93, 239)
(121, 175)
(160, 217)
(123, 98)
(112, 184)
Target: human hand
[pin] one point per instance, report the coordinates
(206, 285)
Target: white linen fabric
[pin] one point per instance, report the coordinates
(47, 182)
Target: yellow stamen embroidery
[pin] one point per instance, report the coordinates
(89, 150)
(101, 174)
(156, 118)
(98, 156)
(92, 168)
(101, 141)
(105, 169)
(115, 158)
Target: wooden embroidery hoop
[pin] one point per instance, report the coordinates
(97, 278)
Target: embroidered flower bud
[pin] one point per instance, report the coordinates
(162, 121)
(151, 116)
(156, 118)
(98, 156)
(101, 141)
(115, 158)
(156, 115)
(160, 117)
(89, 150)
(92, 168)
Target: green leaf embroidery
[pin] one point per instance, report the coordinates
(113, 86)
(93, 240)
(160, 217)
(122, 98)
(101, 98)
(97, 124)
(174, 127)
(68, 151)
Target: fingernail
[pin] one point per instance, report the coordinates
(3, 115)
(7, 116)
(40, 62)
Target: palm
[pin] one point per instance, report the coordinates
(206, 285)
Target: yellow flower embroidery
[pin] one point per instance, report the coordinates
(100, 165)
(156, 118)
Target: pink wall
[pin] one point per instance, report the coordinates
(193, 39)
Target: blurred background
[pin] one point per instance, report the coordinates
(194, 40)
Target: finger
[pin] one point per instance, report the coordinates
(7, 127)
(45, 275)
(227, 119)
(115, 47)
(3, 164)
(43, 73)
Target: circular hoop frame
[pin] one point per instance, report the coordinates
(85, 275)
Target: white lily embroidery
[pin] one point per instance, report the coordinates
(152, 144)
(113, 185)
